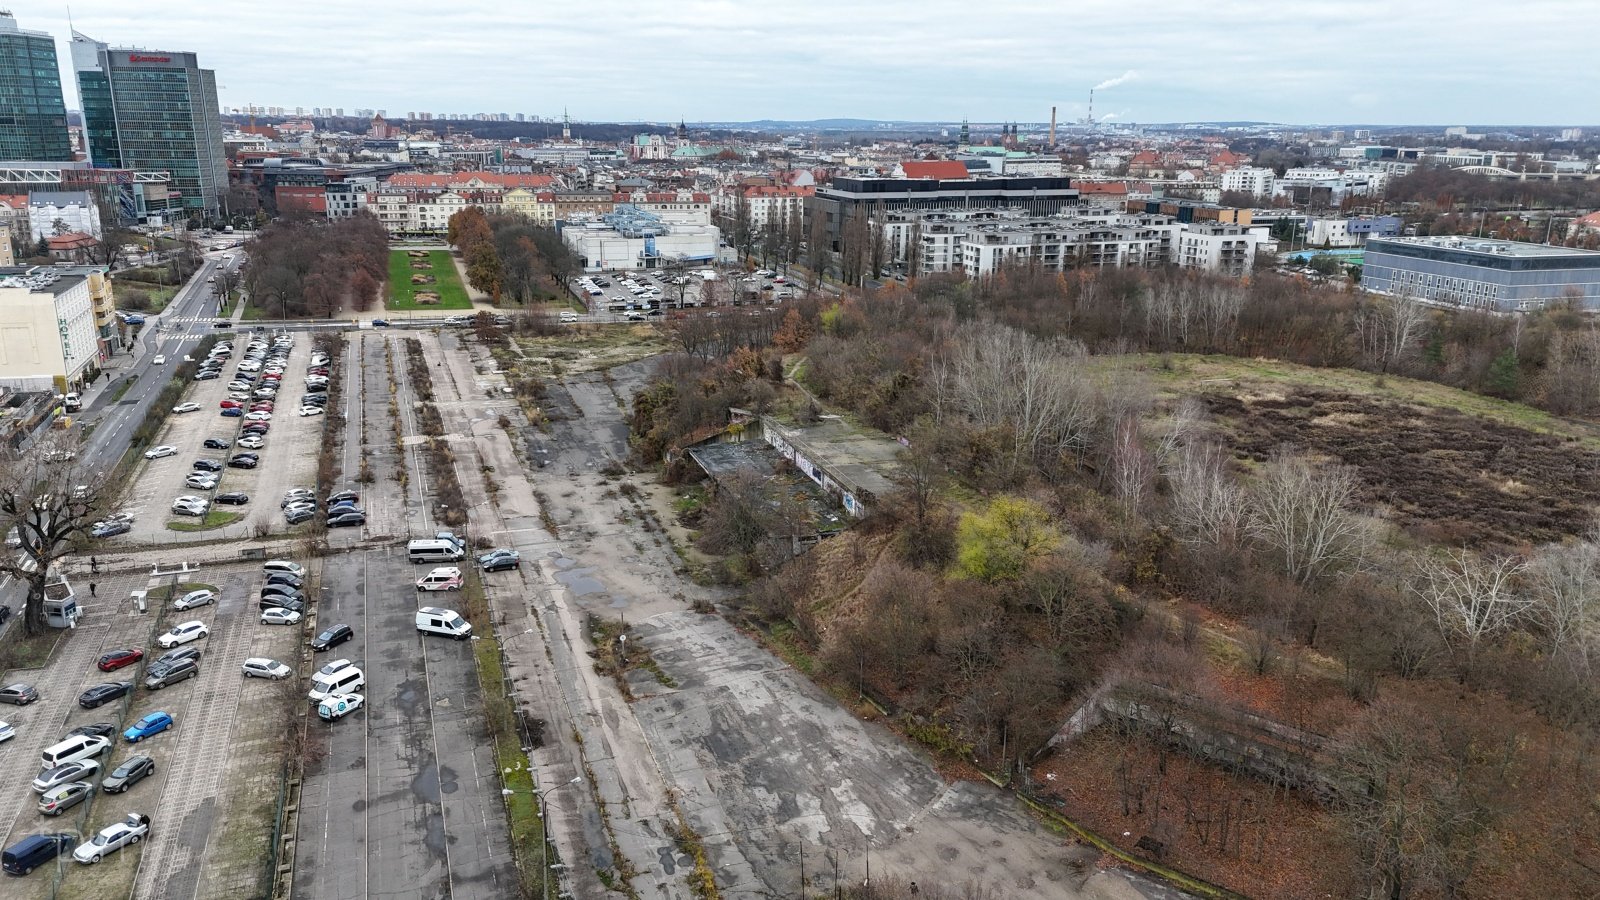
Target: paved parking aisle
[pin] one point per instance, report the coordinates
(407, 786)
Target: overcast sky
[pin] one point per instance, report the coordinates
(1301, 61)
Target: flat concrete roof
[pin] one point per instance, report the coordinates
(1490, 246)
(725, 460)
(863, 459)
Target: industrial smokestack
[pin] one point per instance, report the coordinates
(1091, 106)
(1052, 128)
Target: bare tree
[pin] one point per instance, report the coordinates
(1209, 507)
(1303, 513)
(49, 496)
(1132, 468)
(1400, 317)
(1472, 597)
(1564, 580)
(1188, 417)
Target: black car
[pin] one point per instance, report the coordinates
(316, 388)
(347, 519)
(244, 461)
(285, 579)
(281, 590)
(216, 444)
(133, 770)
(333, 637)
(207, 465)
(19, 694)
(277, 602)
(301, 514)
(232, 498)
(101, 694)
(207, 375)
(98, 729)
(36, 850)
(222, 324)
(110, 529)
(342, 496)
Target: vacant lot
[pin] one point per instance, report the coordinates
(425, 280)
(1445, 465)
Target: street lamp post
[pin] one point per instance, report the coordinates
(544, 821)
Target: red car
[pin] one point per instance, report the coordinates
(116, 659)
(229, 404)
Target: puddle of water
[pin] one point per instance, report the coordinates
(581, 582)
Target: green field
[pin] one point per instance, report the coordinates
(402, 293)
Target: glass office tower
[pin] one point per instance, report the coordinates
(33, 117)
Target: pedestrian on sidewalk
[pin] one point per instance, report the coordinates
(92, 587)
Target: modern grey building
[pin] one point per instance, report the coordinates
(153, 110)
(1503, 276)
(849, 196)
(33, 117)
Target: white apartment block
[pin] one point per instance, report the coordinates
(47, 330)
(1213, 247)
(348, 197)
(1258, 182)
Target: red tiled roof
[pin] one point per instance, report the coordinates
(1592, 220)
(934, 168)
(1102, 187)
(15, 201)
(72, 240)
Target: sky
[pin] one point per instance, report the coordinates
(1467, 62)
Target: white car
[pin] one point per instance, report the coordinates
(311, 410)
(113, 838)
(261, 667)
(7, 732)
(204, 482)
(159, 360)
(337, 706)
(240, 396)
(252, 442)
(259, 416)
(158, 452)
(195, 598)
(276, 616)
(183, 633)
(186, 408)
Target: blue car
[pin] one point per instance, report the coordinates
(380, 323)
(149, 726)
(233, 412)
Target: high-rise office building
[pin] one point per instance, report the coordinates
(153, 110)
(33, 117)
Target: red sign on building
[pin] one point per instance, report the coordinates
(139, 57)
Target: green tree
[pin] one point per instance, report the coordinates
(1505, 375)
(999, 543)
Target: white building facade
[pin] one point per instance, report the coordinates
(47, 330)
(53, 212)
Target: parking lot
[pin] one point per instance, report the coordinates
(207, 814)
(288, 459)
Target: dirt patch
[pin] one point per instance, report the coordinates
(425, 298)
(423, 279)
(1443, 475)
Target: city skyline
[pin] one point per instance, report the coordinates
(713, 61)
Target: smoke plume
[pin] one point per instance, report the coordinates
(1121, 79)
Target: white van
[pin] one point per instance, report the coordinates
(83, 746)
(434, 550)
(433, 620)
(284, 566)
(347, 680)
(444, 578)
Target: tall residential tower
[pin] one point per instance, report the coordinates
(33, 117)
(153, 110)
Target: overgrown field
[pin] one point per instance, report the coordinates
(1447, 466)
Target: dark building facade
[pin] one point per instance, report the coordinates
(850, 196)
(153, 111)
(33, 116)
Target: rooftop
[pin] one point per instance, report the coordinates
(41, 279)
(1490, 246)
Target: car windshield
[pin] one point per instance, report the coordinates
(102, 839)
(457, 623)
(124, 769)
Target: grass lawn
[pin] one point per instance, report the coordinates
(402, 293)
(160, 294)
(215, 518)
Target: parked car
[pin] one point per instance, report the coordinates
(97, 729)
(113, 838)
(332, 637)
(232, 412)
(206, 465)
(311, 410)
(252, 442)
(63, 797)
(215, 444)
(299, 514)
(286, 579)
(347, 519)
(262, 667)
(178, 654)
(18, 694)
(133, 770)
(34, 851)
(337, 706)
(112, 660)
(159, 452)
(195, 598)
(110, 529)
(500, 558)
(186, 408)
(279, 616)
(183, 633)
(76, 770)
(233, 498)
(149, 726)
(101, 694)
